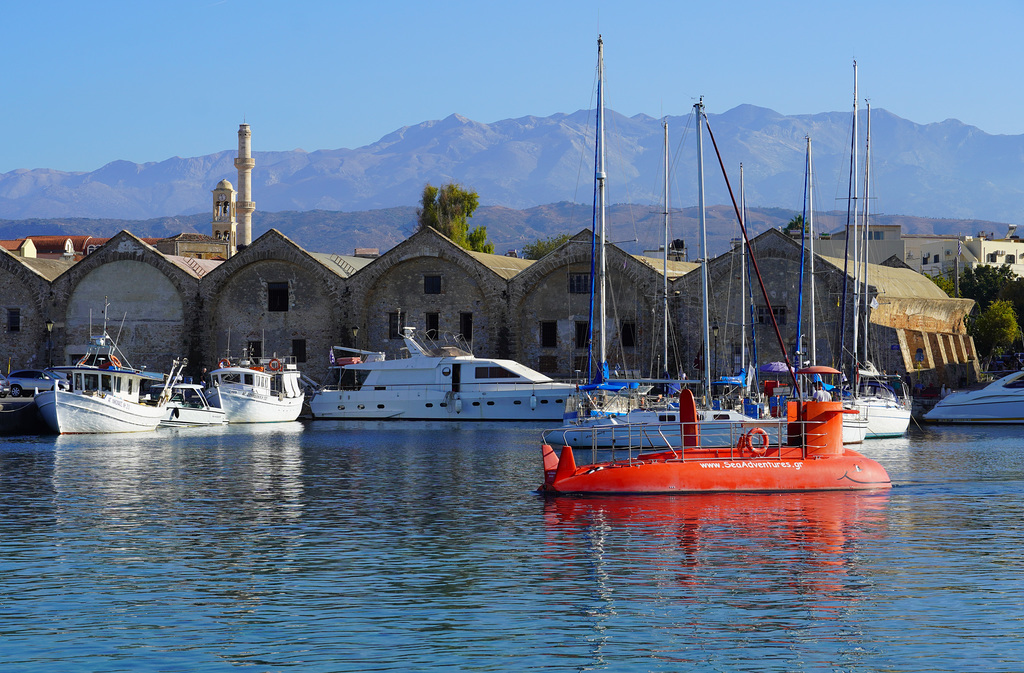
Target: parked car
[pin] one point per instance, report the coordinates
(30, 380)
(5, 387)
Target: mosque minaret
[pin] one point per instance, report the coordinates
(244, 204)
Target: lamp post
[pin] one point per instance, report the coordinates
(355, 337)
(49, 343)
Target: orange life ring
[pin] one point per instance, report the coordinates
(113, 358)
(224, 363)
(274, 365)
(747, 441)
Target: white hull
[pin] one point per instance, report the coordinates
(884, 418)
(250, 406)
(999, 402)
(75, 413)
(423, 403)
(855, 429)
(184, 417)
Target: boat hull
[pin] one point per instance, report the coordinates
(885, 420)
(71, 413)
(705, 471)
(247, 406)
(435, 405)
(186, 417)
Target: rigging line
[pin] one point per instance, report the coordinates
(753, 259)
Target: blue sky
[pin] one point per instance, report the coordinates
(86, 83)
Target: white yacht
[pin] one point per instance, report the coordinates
(436, 382)
(103, 395)
(257, 390)
(1001, 401)
(187, 406)
(884, 403)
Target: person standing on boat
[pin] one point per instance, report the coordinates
(820, 394)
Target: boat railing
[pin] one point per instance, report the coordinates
(503, 386)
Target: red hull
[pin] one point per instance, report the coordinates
(817, 461)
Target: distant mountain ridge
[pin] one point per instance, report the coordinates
(945, 170)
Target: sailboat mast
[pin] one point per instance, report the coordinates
(867, 236)
(599, 176)
(706, 328)
(852, 235)
(664, 280)
(810, 235)
(743, 286)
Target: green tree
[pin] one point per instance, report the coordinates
(995, 328)
(796, 224)
(543, 246)
(448, 209)
(983, 283)
(945, 284)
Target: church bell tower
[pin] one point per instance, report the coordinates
(224, 224)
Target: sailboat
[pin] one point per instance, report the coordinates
(608, 413)
(883, 400)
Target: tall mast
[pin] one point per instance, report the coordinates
(852, 235)
(810, 234)
(599, 177)
(867, 177)
(743, 286)
(706, 328)
(664, 343)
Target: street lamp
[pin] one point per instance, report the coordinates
(49, 343)
(355, 336)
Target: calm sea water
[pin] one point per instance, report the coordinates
(330, 547)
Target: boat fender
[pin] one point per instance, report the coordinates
(224, 364)
(175, 412)
(533, 402)
(458, 404)
(747, 442)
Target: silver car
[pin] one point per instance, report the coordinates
(30, 380)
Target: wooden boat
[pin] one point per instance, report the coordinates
(809, 456)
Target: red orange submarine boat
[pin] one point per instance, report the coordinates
(803, 452)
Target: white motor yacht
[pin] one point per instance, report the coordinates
(1001, 401)
(437, 382)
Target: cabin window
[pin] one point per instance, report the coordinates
(548, 364)
(230, 377)
(431, 284)
(579, 283)
(92, 382)
(299, 350)
(495, 372)
(277, 296)
(396, 321)
(466, 326)
(247, 379)
(582, 333)
(129, 386)
(78, 381)
(117, 384)
(548, 334)
(627, 334)
(432, 322)
(14, 320)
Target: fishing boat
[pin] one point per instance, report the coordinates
(1001, 401)
(437, 381)
(257, 390)
(808, 455)
(104, 395)
(187, 406)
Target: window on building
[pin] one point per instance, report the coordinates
(992, 257)
(547, 364)
(582, 333)
(466, 326)
(431, 284)
(255, 349)
(762, 315)
(396, 321)
(627, 334)
(936, 260)
(431, 322)
(14, 320)
(579, 283)
(1011, 259)
(277, 296)
(299, 350)
(548, 334)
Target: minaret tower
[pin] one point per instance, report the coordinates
(244, 205)
(224, 215)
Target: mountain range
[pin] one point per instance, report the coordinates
(530, 171)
